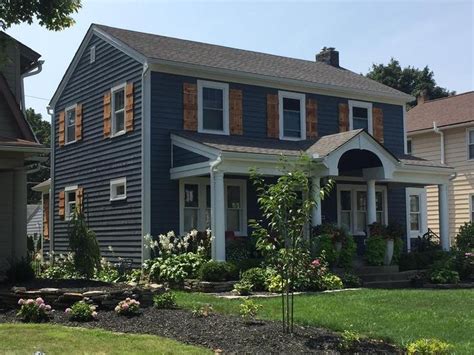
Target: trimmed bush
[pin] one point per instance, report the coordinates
(428, 347)
(375, 252)
(34, 311)
(347, 253)
(166, 300)
(81, 312)
(218, 271)
(255, 276)
(243, 288)
(465, 237)
(128, 307)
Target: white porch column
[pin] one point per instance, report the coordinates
(316, 219)
(443, 216)
(218, 215)
(371, 206)
(19, 213)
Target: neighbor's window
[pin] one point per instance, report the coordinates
(118, 189)
(409, 146)
(471, 205)
(415, 213)
(70, 124)
(69, 201)
(360, 115)
(470, 144)
(213, 105)
(292, 115)
(118, 110)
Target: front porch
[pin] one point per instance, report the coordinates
(372, 185)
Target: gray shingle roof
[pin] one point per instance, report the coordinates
(213, 56)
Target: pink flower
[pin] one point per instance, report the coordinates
(39, 301)
(42, 306)
(316, 262)
(30, 301)
(128, 299)
(125, 306)
(68, 311)
(21, 302)
(117, 309)
(47, 308)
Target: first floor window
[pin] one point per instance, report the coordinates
(213, 105)
(234, 208)
(360, 115)
(379, 206)
(346, 210)
(361, 211)
(118, 189)
(70, 124)
(191, 207)
(470, 144)
(118, 109)
(70, 202)
(415, 213)
(292, 115)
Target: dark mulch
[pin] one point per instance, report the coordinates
(228, 333)
(69, 285)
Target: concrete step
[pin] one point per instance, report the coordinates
(388, 284)
(393, 276)
(365, 270)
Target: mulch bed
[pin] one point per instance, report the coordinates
(227, 333)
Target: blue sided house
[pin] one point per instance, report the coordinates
(153, 134)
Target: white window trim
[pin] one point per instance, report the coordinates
(112, 105)
(67, 190)
(225, 93)
(69, 108)
(202, 182)
(362, 104)
(353, 189)
(471, 206)
(114, 183)
(468, 130)
(409, 143)
(421, 192)
(302, 98)
(92, 54)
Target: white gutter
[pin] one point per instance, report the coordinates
(442, 128)
(441, 133)
(39, 68)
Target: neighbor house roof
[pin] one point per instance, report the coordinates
(28, 58)
(447, 111)
(174, 50)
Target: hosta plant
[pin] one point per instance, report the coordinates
(249, 310)
(34, 310)
(202, 311)
(128, 307)
(166, 300)
(429, 347)
(243, 288)
(81, 312)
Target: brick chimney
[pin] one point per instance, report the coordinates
(422, 97)
(328, 55)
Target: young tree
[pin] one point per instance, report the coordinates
(409, 80)
(286, 208)
(55, 15)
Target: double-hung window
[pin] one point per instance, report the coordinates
(470, 144)
(213, 107)
(360, 115)
(292, 114)
(70, 124)
(415, 213)
(118, 110)
(69, 201)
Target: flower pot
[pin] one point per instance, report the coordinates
(338, 246)
(389, 252)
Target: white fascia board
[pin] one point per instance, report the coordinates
(442, 128)
(211, 73)
(191, 170)
(25, 149)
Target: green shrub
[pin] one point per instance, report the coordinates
(347, 252)
(60, 267)
(246, 264)
(417, 260)
(349, 340)
(274, 283)
(166, 300)
(248, 310)
(465, 237)
(81, 312)
(20, 271)
(351, 280)
(444, 276)
(429, 347)
(331, 282)
(34, 311)
(243, 288)
(174, 268)
(375, 250)
(128, 307)
(217, 271)
(397, 250)
(324, 244)
(202, 311)
(107, 272)
(257, 277)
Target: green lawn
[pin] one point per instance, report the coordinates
(399, 316)
(55, 339)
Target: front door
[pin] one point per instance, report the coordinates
(416, 214)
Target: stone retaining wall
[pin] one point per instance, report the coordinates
(208, 286)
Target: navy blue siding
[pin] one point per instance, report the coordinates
(92, 162)
(397, 207)
(182, 157)
(393, 128)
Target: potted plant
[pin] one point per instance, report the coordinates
(379, 230)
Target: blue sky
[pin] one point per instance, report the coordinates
(439, 34)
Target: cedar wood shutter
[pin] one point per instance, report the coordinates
(235, 104)
(107, 114)
(343, 117)
(79, 199)
(61, 204)
(46, 216)
(377, 117)
(272, 116)
(129, 107)
(78, 128)
(61, 128)
(190, 107)
(311, 119)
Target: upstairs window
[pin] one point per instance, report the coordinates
(292, 115)
(470, 144)
(70, 124)
(118, 189)
(118, 110)
(360, 116)
(213, 107)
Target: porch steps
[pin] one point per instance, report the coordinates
(385, 276)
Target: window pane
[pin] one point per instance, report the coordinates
(414, 203)
(71, 196)
(191, 198)
(208, 218)
(379, 201)
(360, 112)
(233, 220)
(409, 146)
(471, 151)
(213, 119)
(414, 221)
(119, 99)
(119, 122)
(71, 134)
(190, 219)
(361, 201)
(361, 221)
(212, 98)
(358, 123)
(208, 196)
(380, 217)
(291, 118)
(471, 137)
(70, 125)
(346, 220)
(346, 200)
(120, 190)
(233, 197)
(71, 117)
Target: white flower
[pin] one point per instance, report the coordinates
(194, 233)
(110, 248)
(170, 234)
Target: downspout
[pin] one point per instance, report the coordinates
(146, 159)
(39, 68)
(441, 133)
(51, 185)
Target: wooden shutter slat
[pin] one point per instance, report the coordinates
(107, 114)
(190, 107)
(129, 106)
(343, 117)
(78, 128)
(61, 128)
(61, 204)
(311, 119)
(79, 198)
(272, 116)
(46, 216)
(377, 119)
(236, 124)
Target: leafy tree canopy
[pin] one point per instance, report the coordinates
(55, 15)
(409, 80)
